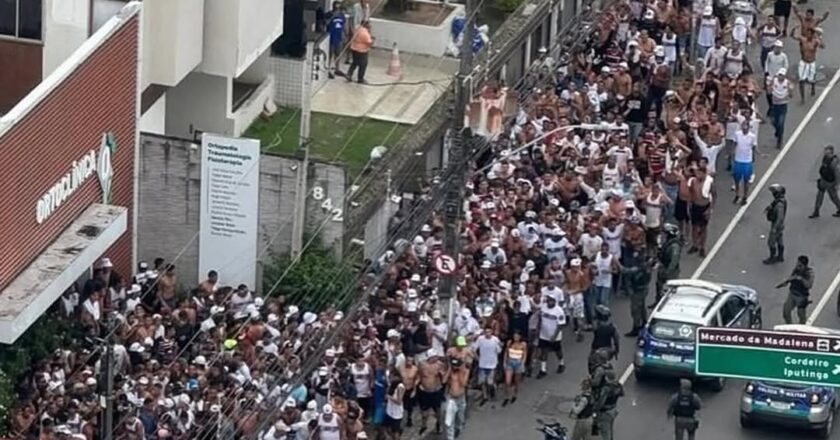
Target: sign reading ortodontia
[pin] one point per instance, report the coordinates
(230, 177)
(768, 355)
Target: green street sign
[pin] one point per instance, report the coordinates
(768, 355)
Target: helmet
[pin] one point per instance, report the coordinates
(602, 311)
(777, 190)
(671, 230)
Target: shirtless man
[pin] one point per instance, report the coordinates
(577, 282)
(410, 374)
(623, 83)
(809, 21)
(457, 380)
(432, 373)
(167, 285)
(808, 45)
(700, 187)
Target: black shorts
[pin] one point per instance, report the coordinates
(698, 215)
(366, 404)
(681, 210)
(781, 8)
(555, 346)
(395, 425)
(428, 400)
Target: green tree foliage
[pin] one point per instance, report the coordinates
(508, 6)
(314, 282)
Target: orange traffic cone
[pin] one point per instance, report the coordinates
(394, 68)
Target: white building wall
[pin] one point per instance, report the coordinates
(260, 23)
(154, 120)
(102, 11)
(65, 29)
(174, 40)
(237, 32)
(199, 102)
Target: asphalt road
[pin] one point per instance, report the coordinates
(738, 260)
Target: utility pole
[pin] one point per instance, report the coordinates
(106, 370)
(457, 164)
(299, 215)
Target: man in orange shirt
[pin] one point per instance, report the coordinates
(359, 47)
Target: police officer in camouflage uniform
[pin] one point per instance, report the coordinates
(683, 408)
(775, 213)
(606, 391)
(669, 258)
(637, 274)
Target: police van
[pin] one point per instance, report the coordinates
(665, 346)
(791, 404)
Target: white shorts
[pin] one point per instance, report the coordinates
(807, 71)
(576, 305)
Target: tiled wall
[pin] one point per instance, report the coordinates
(288, 74)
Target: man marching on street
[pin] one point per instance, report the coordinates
(827, 182)
(683, 408)
(775, 213)
(669, 259)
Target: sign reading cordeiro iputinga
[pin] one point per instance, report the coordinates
(804, 358)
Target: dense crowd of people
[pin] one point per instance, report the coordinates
(621, 138)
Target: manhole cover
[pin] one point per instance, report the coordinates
(554, 404)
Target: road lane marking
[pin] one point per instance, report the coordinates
(755, 193)
(826, 296)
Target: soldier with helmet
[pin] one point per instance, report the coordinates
(668, 265)
(775, 213)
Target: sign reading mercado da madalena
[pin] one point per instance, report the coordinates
(81, 170)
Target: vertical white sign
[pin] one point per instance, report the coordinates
(230, 193)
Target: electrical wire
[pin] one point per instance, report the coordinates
(344, 323)
(353, 287)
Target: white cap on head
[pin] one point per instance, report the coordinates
(494, 242)
(708, 10)
(426, 228)
(575, 262)
(106, 263)
(135, 288)
(392, 333)
(329, 353)
(328, 409)
(782, 72)
(778, 43)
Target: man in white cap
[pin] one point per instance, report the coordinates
(773, 62)
(707, 32)
(330, 425)
(660, 79)
(781, 93)
(495, 254)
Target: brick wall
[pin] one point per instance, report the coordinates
(20, 73)
(170, 192)
(99, 96)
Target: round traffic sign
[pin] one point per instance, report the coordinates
(445, 264)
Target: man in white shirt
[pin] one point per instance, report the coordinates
(551, 320)
(488, 347)
(710, 152)
(742, 168)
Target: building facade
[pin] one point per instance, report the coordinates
(205, 62)
(69, 164)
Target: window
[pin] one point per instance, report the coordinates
(21, 19)
(731, 309)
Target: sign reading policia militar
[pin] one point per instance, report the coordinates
(768, 355)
